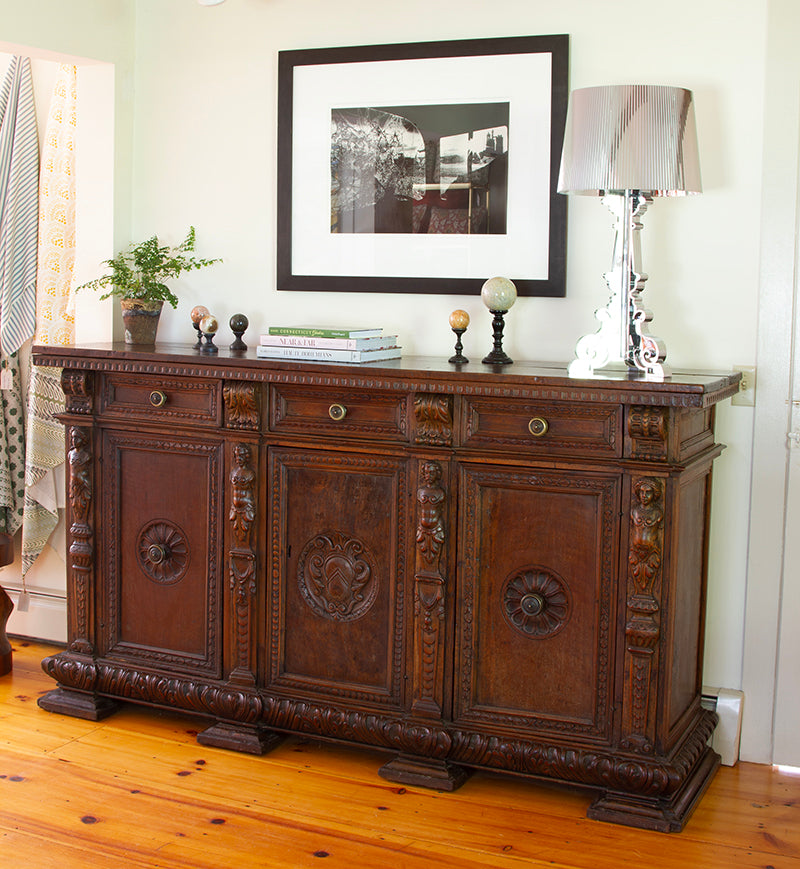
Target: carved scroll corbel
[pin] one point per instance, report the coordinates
(77, 387)
(429, 592)
(241, 405)
(434, 418)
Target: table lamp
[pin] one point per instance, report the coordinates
(627, 144)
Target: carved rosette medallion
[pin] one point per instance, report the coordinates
(337, 577)
(162, 552)
(536, 602)
(241, 405)
(434, 416)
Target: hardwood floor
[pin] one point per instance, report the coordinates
(137, 790)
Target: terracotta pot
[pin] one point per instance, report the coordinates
(141, 320)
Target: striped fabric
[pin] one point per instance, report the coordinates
(55, 321)
(19, 206)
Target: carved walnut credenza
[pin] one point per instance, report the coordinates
(496, 567)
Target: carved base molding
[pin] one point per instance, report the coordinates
(647, 790)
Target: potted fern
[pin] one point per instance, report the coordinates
(137, 276)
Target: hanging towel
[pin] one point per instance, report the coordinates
(12, 456)
(55, 322)
(19, 206)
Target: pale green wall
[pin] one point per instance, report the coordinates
(196, 144)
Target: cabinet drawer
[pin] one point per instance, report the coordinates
(542, 427)
(184, 399)
(324, 412)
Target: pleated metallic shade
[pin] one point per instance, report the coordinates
(630, 137)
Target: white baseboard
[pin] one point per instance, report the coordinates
(45, 618)
(727, 703)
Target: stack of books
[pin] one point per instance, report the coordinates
(324, 344)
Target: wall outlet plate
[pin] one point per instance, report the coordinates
(746, 396)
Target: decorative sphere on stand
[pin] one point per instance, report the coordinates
(459, 320)
(238, 324)
(208, 326)
(498, 294)
(196, 315)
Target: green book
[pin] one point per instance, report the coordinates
(323, 332)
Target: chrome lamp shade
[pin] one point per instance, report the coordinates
(628, 144)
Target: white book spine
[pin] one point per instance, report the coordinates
(378, 342)
(322, 355)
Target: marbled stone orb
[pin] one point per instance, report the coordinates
(198, 312)
(498, 294)
(459, 319)
(209, 324)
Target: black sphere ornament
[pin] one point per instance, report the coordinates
(238, 324)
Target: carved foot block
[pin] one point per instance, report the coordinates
(424, 773)
(664, 815)
(78, 704)
(239, 737)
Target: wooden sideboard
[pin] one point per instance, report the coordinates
(489, 566)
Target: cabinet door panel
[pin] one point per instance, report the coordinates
(162, 575)
(536, 599)
(338, 575)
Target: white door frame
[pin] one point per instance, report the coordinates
(767, 582)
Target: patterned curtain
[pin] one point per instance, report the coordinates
(19, 175)
(55, 319)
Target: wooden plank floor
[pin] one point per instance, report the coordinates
(137, 790)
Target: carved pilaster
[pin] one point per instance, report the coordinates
(81, 542)
(243, 560)
(77, 386)
(642, 628)
(429, 592)
(434, 417)
(241, 405)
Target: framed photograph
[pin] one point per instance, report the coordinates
(423, 168)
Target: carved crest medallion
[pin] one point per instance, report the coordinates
(337, 578)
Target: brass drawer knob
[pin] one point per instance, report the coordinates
(158, 398)
(538, 426)
(337, 412)
(532, 604)
(157, 553)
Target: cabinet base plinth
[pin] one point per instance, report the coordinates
(78, 704)
(664, 816)
(424, 773)
(239, 737)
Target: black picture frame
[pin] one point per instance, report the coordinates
(311, 81)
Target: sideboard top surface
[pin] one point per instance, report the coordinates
(523, 379)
